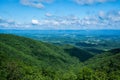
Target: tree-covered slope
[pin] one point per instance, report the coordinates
(27, 59)
(39, 50)
(108, 62)
(111, 57)
(24, 53)
(81, 54)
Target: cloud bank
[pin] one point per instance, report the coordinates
(102, 20)
(109, 20)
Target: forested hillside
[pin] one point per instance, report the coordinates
(27, 59)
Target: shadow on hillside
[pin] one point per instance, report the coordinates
(82, 55)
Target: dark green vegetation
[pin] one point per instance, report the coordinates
(27, 59)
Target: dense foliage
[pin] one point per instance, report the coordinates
(27, 59)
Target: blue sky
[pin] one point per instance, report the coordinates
(60, 14)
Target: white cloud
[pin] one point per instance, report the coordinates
(35, 22)
(112, 20)
(89, 2)
(45, 22)
(109, 20)
(8, 23)
(56, 23)
(35, 3)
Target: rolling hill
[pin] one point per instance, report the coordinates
(23, 58)
(24, 53)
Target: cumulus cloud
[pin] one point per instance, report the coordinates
(35, 22)
(89, 2)
(102, 20)
(8, 23)
(35, 3)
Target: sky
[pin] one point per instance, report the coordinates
(60, 14)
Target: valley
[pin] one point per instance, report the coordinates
(40, 58)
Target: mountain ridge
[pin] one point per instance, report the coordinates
(23, 58)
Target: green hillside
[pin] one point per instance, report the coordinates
(26, 53)
(82, 55)
(108, 62)
(27, 59)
